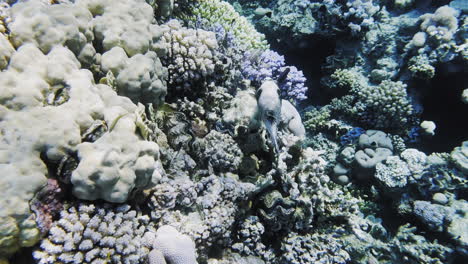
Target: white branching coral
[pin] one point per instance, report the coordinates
(192, 54)
(97, 234)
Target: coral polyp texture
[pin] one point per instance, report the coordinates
(209, 131)
(218, 12)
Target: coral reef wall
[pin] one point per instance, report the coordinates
(174, 131)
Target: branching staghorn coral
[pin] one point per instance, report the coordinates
(192, 57)
(97, 234)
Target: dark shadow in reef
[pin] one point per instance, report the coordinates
(308, 55)
(23, 256)
(442, 104)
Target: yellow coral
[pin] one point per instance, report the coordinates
(222, 13)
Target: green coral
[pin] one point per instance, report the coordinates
(343, 79)
(420, 67)
(317, 119)
(222, 13)
(384, 106)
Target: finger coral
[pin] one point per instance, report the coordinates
(97, 234)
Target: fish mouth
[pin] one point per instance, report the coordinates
(271, 125)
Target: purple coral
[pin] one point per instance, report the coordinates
(257, 67)
(352, 136)
(47, 204)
